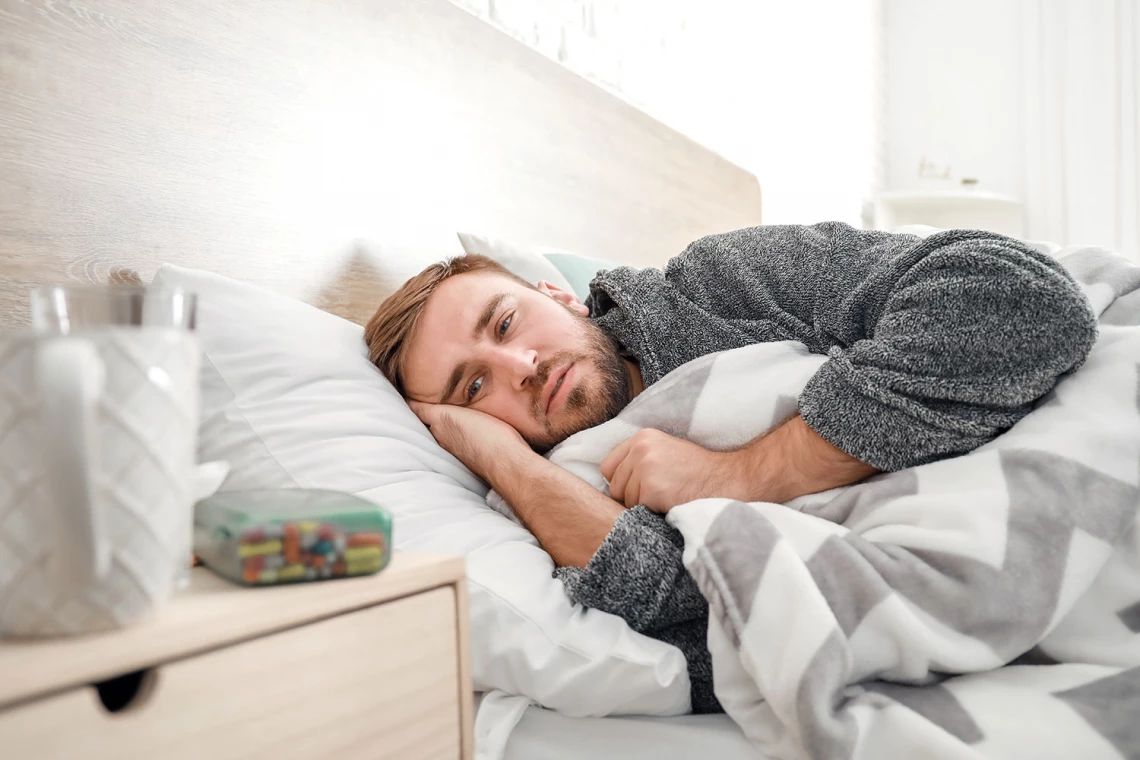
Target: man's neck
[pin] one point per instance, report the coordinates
(636, 384)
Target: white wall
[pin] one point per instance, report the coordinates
(785, 89)
(954, 94)
(1034, 98)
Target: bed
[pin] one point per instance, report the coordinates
(546, 734)
(270, 142)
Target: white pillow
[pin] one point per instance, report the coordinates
(289, 398)
(391, 271)
(530, 265)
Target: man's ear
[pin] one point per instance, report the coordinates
(567, 299)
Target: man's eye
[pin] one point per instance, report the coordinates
(505, 325)
(473, 389)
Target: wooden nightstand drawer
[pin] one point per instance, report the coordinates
(378, 682)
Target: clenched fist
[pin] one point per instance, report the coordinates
(660, 471)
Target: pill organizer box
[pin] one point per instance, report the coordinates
(290, 535)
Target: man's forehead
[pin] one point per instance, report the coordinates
(458, 301)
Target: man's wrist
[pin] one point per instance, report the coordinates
(508, 464)
(568, 516)
(774, 466)
(794, 460)
(754, 476)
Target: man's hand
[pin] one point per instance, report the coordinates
(660, 471)
(480, 441)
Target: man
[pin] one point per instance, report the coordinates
(935, 347)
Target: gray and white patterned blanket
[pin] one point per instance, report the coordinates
(979, 607)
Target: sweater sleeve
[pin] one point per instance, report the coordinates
(952, 343)
(935, 345)
(637, 574)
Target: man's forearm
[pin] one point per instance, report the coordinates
(568, 516)
(794, 460)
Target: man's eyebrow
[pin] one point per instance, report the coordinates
(485, 318)
(487, 315)
(453, 381)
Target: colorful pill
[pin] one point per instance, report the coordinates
(366, 539)
(365, 562)
(308, 526)
(291, 572)
(338, 543)
(318, 561)
(257, 550)
(362, 553)
(292, 543)
(267, 576)
(253, 536)
(254, 563)
(323, 547)
(338, 568)
(250, 575)
(364, 567)
(308, 540)
(326, 532)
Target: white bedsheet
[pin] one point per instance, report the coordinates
(550, 736)
(511, 728)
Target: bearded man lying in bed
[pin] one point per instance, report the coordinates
(935, 347)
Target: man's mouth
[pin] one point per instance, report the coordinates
(556, 382)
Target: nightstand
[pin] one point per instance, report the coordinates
(373, 667)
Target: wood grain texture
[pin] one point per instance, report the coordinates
(210, 614)
(267, 140)
(376, 683)
(466, 696)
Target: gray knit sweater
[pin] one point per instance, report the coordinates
(935, 347)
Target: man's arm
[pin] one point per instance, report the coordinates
(625, 562)
(568, 516)
(802, 462)
(660, 471)
(934, 347)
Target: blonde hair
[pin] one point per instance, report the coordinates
(389, 331)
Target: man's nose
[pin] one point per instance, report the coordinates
(521, 364)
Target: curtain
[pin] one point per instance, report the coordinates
(1082, 122)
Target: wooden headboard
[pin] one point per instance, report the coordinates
(265, 140)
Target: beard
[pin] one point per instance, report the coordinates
(589, 402)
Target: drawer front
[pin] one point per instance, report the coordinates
(377, 683)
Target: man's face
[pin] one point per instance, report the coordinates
(528, 357)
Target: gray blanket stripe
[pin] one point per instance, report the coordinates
(733, 560)
(1109, 705)
(827, 730)
(1130, 616)
(935, 703)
